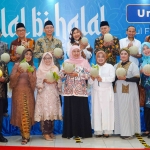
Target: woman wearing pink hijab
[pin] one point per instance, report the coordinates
(47, 108)
(76, 119)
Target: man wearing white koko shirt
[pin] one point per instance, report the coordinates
(130, 41)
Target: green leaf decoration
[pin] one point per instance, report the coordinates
(63, 65)
(30, 69)
(92, 65)
(95, 66)
(24, 60)
(56, 76)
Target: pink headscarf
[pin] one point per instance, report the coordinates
(43, 68)
(79, 61)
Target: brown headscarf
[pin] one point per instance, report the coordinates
(104, 54)
(125, 49)
(23, 56)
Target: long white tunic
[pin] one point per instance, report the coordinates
(103, 99)
(127, 110)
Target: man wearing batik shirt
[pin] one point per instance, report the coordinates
(4, 79)
(110, 48)
(48, 43)
(3, 46)
(4, 49)
(147, 38)
(21, 40)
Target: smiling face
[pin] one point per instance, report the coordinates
(49, 29)
(104, 30)
(21, 32)
(146, 50)
(76, 53)
(124, 56)
(100, 58)
(28, 56)
(131, 32)
(47, 59)
(76, 34)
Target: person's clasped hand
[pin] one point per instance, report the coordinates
(107, 44)
(121, 78)
(20, 70)
(2, 79)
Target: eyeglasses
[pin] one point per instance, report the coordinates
(21, 30)
(47, 58)
(47, 28)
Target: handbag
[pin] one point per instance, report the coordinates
(142, 95)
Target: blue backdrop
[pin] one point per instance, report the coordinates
(85, 14)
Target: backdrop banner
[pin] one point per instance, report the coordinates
(85, 14)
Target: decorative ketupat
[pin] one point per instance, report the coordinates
(108, 37)
(121, 72)
(94, 72)
(58, 52)
(52, 76)
(20, 49)
(146, 69)
(25, 66)
(5, 57)
(133, 50)
(68, 67)
(84, 41)
(1, 73)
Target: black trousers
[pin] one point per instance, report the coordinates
(1, 115)
(5, 101)
(147, 118)
(60, 100)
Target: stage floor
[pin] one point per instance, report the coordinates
(111, 142)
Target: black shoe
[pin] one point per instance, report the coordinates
(106, 136)
(126, 137)
(5, 115)
(148, 136)
(97, 136)
(2, 139)
(65, 137)
(144, 134)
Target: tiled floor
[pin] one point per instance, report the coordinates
(111, 142)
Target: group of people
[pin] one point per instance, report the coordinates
(114, 100)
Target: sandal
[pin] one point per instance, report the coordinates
(25, 141)
(52, 136)
(106, 135)
(47, 137)
(97, 136)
